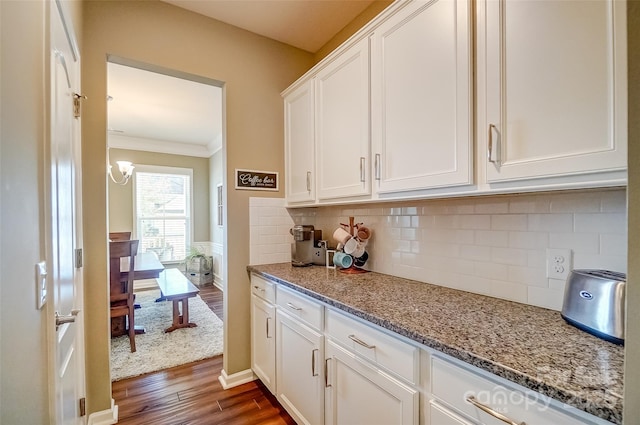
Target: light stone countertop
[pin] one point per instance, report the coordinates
(531, 346)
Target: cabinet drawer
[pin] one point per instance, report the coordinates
(263, 288)
(374, 345)
(453, 385)
(439, 415)
(300, 306)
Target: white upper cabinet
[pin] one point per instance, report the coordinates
(421, 85)
(554, 80)
(299, 144)
(342, 124)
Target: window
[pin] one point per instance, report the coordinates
(219, 205)
(162, 205)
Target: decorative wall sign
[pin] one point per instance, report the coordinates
(256, 180)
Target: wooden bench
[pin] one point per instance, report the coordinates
(177, 288)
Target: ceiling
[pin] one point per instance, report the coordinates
(306, 24)
(155, 112)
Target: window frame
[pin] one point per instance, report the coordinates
(164, 169)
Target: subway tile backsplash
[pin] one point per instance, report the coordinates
(492, 245)
(270, 240)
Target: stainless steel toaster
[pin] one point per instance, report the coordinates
(594, 301)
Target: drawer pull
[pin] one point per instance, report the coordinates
(471, 399)
(313, 362)
(258, 288)
(293, 307)
(361, 342)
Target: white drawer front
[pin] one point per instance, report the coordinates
(263, 288)
(439, 415)
(375, 345)
(453, 385)
(300, 306)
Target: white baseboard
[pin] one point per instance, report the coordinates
(239, 378)
(105, 417)
(217, 282)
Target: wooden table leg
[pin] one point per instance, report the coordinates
(180, 321)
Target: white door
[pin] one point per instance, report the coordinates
(299, 144)
(555, 88)
(342, 125)
(67, 345)
(421, 97)
(300, 382)
(263, 342)
(357, 393)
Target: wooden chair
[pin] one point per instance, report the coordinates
(119, 236)
(122, 291)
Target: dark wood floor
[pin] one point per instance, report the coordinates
(192, 394)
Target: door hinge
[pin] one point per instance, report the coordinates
(83, 406)
(78, 258)
(76, 104)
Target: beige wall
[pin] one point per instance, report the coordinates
(24, 385)
(121, 197)
(632, 343)
(255, 70)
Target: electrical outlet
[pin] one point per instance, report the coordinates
(559, 263)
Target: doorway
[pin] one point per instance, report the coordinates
(170, 126)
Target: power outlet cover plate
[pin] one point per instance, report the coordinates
(559, 263)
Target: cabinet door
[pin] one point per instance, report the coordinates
(555, 88)
(342, 124)
(421, 85)
(299, 144)
(263, 342)
(299, 370)
(357, 393)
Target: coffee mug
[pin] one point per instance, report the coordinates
(343, 260)
(363, 233)
(360, 261)
(341, 236)
(350, 246)
(359, 251)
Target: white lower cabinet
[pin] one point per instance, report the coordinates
(300, 378)
(263, 346)
(328, 367)
(263, 330)
(486, 399)
(359, 393)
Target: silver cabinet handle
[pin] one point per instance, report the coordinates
(326, 373)
(257, 288)
(377, 166)
(471, 399)
(362, 165)
(361, 342)
(490, 144)
(313, 362)
(268, 336)
(293, 307)
(61, 320)
(308, 181)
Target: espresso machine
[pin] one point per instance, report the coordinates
(307, 247)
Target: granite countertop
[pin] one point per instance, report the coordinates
(528, 345)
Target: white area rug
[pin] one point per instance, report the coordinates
(156, 350)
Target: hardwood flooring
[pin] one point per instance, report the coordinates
(191, 393)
